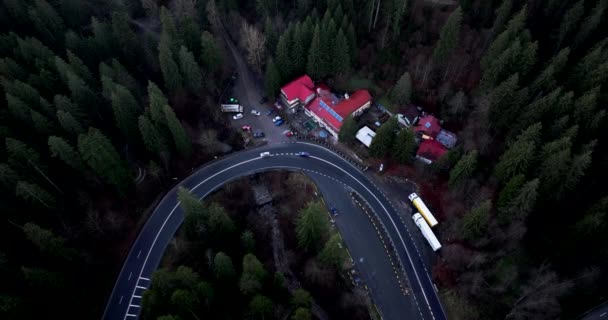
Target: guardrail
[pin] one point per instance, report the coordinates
(332, 148)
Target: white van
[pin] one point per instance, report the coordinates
(265, 154)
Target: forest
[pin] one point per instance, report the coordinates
(96, 91)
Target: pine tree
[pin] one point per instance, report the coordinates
(63, 150)
(42, 124)
(271, 34)
(11, 69)
(555, 157)
(193, 79)
(463, 169)
(184, 301)
(180, 137)
(79, 68)
(591, 69)
(69, 123)
(126, 111)
(401, 93)
(519, 156)
(510, 191)
(126, 39)
(152, 138)
(301, 314)
(349, 129)
(405, 146)
(504, 103)
(384, 140)
(46, 21)
(82, 94)
(591, 22)
(190, 33)
(34, 194)
(333, 253)
(248, 241)
(312, 226)
(578, 167)
(502, 15)
(448, 37)
(211, 58)
(547, 79)
(261, 306)
(342, 54)
(168, 66)
(98, 153)
(283, 56)
(314, 67)
(222, 266)
(17, 108)
(352, 40)
(298, 50)
(64, 104)
(219, 223)
(570, 20)
(22, 157)
(272, 79)
(521, 204)
(8, 177)
(158, 101)
(475, 222)
(45, 240)
(301, 297)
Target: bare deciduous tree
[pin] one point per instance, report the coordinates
(255, 43)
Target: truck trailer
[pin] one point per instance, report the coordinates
(423, 210)
(232, 108)
(426, 231)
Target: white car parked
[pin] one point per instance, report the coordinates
(237, 116)
(275, 119)
(265, 154)
(255, 112)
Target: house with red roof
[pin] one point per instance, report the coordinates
(430, 150)
(298, 92)
(330, 111)
(429, 126)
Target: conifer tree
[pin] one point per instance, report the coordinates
(180, 137)
(211, 58)
(463, 169)
(168, 66)
(475, 222)
(348, 130)
(193, 79)
(312, 226)
(34, 194)
(384, 140)
(63, 150)
(341, 57)
(126, 112)
(405, 145)
(448, 38)
(315, 65)
(272, 79)
(401, 93)
(153, 139)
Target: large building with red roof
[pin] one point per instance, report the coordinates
(430, 150)
(330, 112)
(298, 92)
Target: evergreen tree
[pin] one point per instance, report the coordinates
(124, 36)
(180, 137)
(272, 79)
(222, 266)
(475, 222)
(11, 69)
(42, 124)
(169, 32)
(301, 297)
(79, 68)
(46, 21)
(578, 167)
(333, 253)
(219, 223)
(463, 169)
(405, 146)
(260, 306)
(547, 79)
(168, 66)
(45, 240)
(69, 123)
(349, 129)
(98, 152)
(195, 213)
(193, 79)
(505, 103)
(301, 314)
(185, 301)
(211, 58)
(510, 191)
(63, 150)
(590, 23)
(570, 21)
(34, 194)
(352, 41)
(555, 157)
(341, 57)
(271, 34)
(126, 111)
(190, 33)
(312, 226)
(502, 15)
(520, 206)
(82, 94)
(22, 157)
(8, 177)
(63, 103)
(519, 156)
(448, 37)
(283, 56)
(401, 93)
(152, 138)
(315, 65)
(298, 50)
(248, 241)
(383, 142)
(17, 108)
(158, 101)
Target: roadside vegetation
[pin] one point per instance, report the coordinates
(222, 261)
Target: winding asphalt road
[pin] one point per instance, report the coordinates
(146, 252)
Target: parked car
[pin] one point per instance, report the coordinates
(259, 134)
(288, 133)
(255, 112)
(303, 154)
(237, 116)
(333, 211)
(265, 154)
(277, 118)
(279, 122)
(246, 128)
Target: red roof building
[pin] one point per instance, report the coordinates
(299, 91)
(430, 150)
(330, 112)
(428, 125)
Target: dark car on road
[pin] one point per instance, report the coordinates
(259, 134)
(333, 211)
(303, 154)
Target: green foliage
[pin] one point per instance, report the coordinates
(8, 177)
(272, 80)
(301, 298)
(126, 112)
(22, 157)
(591, 22)
(519, 156)
(271, 35)
(100, 155)
(475, 222)
(34, 194)
(464, 169)
(219, 223)
(315, 64)
(449, 36)
(42, 124)
(222, 266)
(509, 191)
(69, 123)
(260, 306)
(126, 39)
(151, 136)
(45, 240)
(312, 226)
(180, 137)
(547, 79)
(569, 21)
(349, 129)
(211, 57)
(301, 314)
(248, 241)
(341, 55)
(193, 79)
(168, 66)
(333, 253)
(502, 15)
(63, 150)
(401, 93)
(405, 146)
(383, 142)
(184, 300)
(521, 204)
